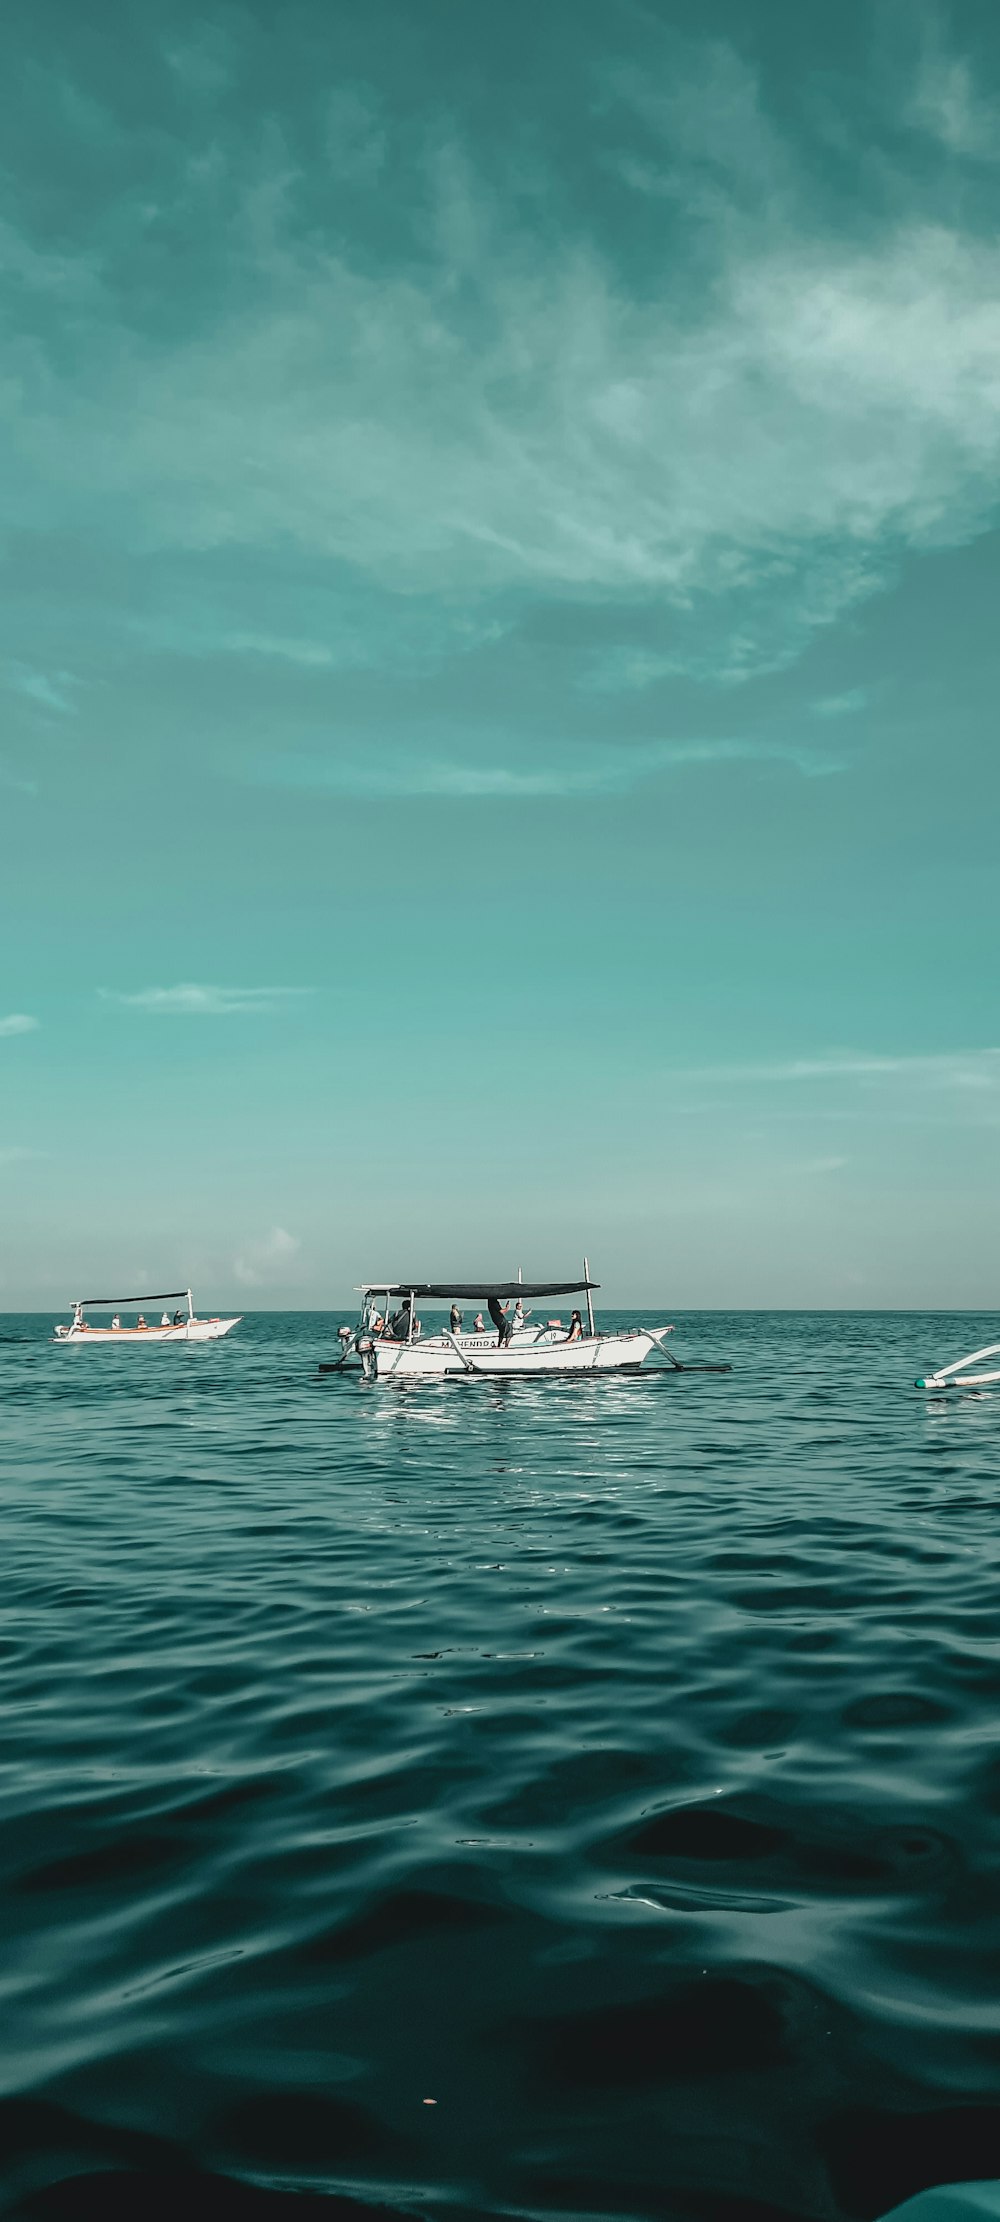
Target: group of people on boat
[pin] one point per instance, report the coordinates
(83, 1326)
(404, 1327)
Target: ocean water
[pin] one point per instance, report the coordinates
(472, 1799)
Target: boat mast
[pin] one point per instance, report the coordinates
(591, 1329)
(190, 1299)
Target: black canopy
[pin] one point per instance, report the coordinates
(166, 1296)
(475, 1291)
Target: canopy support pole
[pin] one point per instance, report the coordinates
(591, 1329)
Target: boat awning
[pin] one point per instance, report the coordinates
(475, 1291)
(165, 1296)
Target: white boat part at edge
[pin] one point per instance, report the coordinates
(955, 1375)
(191, 1329)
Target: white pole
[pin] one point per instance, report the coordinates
(590, 1301)
(409, 1331)
(190, 1299)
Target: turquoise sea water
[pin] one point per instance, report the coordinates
(615, 1764)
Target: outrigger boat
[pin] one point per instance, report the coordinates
(955, 1376)
(179, 1329)
(399, 1351)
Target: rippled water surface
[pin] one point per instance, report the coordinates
(614, 1764)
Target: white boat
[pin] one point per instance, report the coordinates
(956, 1375)
(181, 1328)
(388, 1349)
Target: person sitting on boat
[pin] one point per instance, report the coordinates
(165, 1321)
(376, 1324)
(140, 1322)
(575, 1328)
(399, 1324)
(178, 1319)
(455, 1321)
(519, 1317)
(479, 1324)
(116, 1322)
(498, 1314)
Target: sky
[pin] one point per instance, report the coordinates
(499, 649)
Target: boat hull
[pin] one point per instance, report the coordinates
(192, 1330)
(442, 1355)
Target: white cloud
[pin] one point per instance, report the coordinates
(950, 1069)
(12, 779)
(841, 705)
(499, 413)
(49, 690)
(355, 137)
(308, 653)
(828, 403)
(947, 105)
(586, 773)
(264, 1261)
(189, 999)
(18, 1022)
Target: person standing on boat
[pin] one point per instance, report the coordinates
(455, 1322)
(498, 1314)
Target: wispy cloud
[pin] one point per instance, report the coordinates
(189, 999)
(49, 690)
(501, 413)
(266, 1260)
(948, 105)
(377, 773)
(311, 654)
(847, 705)
(18, 1022)
(950, 1069)
(13, 779)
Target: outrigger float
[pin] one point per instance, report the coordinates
(956, 1376)
(395, 1349)
(179, 1329)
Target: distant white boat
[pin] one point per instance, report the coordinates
(389, 1348)
(183, 1327)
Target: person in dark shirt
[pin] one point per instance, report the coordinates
(498, 1314)
(399, 1324)
(455, 1321)
(575, 1328)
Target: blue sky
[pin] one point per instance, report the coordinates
(498, 648)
